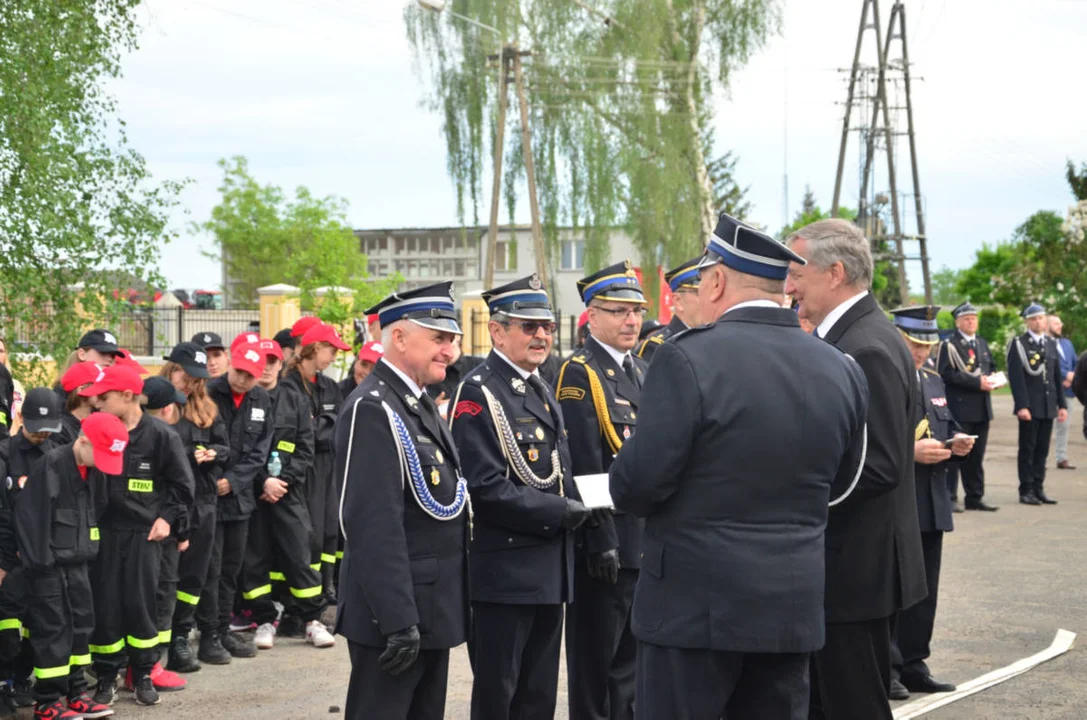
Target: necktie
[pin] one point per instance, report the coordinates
(541, 390)
(428, 403)
(628, 368)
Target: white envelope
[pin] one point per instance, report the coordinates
(594, 490)
(998, 379)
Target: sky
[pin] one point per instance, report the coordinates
(323, 93)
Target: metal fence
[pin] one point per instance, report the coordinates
(478, 338)
(154, 331)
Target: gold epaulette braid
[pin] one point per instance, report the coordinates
(600, 404)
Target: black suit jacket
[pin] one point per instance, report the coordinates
(1042, 394)
(591, 451)
(968, 402)
(401, 567)
(874, 561)
(656, 338)
(520, 554)
(733, 553)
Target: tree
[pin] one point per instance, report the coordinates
(944, 287)
(1077, 181)
(77, 207)
(620, 110)
(263, 238)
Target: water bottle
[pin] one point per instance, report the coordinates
(275, 465)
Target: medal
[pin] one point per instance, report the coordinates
(626, 431)
(533, 454)
(539, 434)
(438, 455)
(435, 477)
(611, 373)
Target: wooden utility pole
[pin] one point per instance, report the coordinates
(499, 147)
(530, 172)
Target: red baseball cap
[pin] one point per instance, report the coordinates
(245, 338)
(584, 318)
(372, 318)
(79, 374)
(124, 357)
(371, 352)
(109, 438)
(115, 377)
(323, 332)
(303, 324)
(271, 347)
(249, 357)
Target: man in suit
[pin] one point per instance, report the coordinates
(403, 512)
(1067, 353)
(1035, 376)
(510, 434)
(683, 282)
(729, 603)
(874, 562)
(599, 389)
(965, 364)
(934, 427)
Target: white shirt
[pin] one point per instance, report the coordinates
(520, 371)
(836, 314)
(753, 303)
(967, 338)
(415, 389)
(617, 356)
(1035, 336)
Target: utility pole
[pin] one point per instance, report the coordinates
(849, 109)
(499, 146)
(530, 170)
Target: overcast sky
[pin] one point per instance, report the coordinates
(322, 93)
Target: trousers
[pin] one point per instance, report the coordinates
(418, 693)
(1034, 437)
(221, 585)
(60, 621)
(125, 578)
(323, 502)
(851, 675)
(192, 568)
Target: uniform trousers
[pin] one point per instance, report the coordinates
(192, 567)
(418, 693)
(851, 675)
(166, 595)
(221, 585)
(913, 630)
(60, 621)
(279, 545)
(702, 684)
(1061, 431)
(973, 473)
(1034, 437)
(515, 661)
(16, 660)
(125, 578)
(601, 652)
(323, 502)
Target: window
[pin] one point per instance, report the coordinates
(505, 256)
(573, 255)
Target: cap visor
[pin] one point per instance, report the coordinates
(93, 390)
(707, 260)
(196, 371)
(37, 425)
(923, 338)
(339, 344)
(250, 367)
(439, 324)
(106, 349)
(109, 463)
(180, 398)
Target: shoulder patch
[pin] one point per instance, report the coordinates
(467, 406)
(571, 393)
(930, 371)
(658, 339)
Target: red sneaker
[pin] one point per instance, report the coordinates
(166, 681)
(54, 711)
(86, 707)
(128, 685)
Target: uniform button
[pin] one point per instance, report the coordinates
(546, 528)
(509, 541)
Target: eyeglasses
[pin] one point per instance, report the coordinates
(623, 312)
(531, 327)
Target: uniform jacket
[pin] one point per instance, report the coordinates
(55, 516)
(70, 427)
(1042, 394)
(249, 429)
(1067, 353)
(19, 455)
(733, 553)
(9, 558)
(874, 561)
(205, 475)
(156, 481)
(401, 567)
(591, 449)
(520, 554)
(325, 401)
(933, 500)
(968, 402)
(292, 438)
(654, 339)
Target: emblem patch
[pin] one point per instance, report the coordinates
(118, 446)
(109, 338)
(571, 393)
(257, 415)
(201, 358)
(435, 477)
(533, 454)
(43, 411)
(626, 431)
(22, 481)
(939, 402)
(145, 467)
(413, 403)
(611, 373)
(467, 406)
(518, 385)
(207, 338)
(252, 356)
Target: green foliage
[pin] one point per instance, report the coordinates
(265, 239)
(76, 204)
(945, 283)
(1077, 180)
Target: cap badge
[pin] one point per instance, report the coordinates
(518, 385)
(534, 282)
(377, 347)
(118, 446)
(201, 358)
(251, 356)
(101, 376)
(207, 338)
(451, 296)
(43, 411)
(109, 338)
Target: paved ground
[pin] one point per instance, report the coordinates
(1010, 580)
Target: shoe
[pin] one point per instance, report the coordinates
(24, 692)
(265, 637)
(166, 681)
(925, 684)
(1065, 465)
(180, 658)
(8, 708)
(898, 691)
(211, 650)
(242, 622)
(291, 626)
(330, 596)
(980, 505)
(318, 635)
(1043, 498)
(55, 711)
(237, 646)
(1029, 499)
(956, 508)
(86, 707)
(106, 692)
(146, 694)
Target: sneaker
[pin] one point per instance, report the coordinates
(180, 658)
(291, 626)
(237, 646)
(318, 635)
(55, 711)
(8, 708)
(166, 681)
(146, 694)
(106, 691)
(86, 707)
(211, 650)
(24, 692)
(242, 622)
(265, 637)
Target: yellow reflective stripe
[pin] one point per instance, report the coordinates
(306, 593)
(80, 660)
(277, 576)
(330, 559)
(165, 636)
(339, 554)
(142, 486)
(257, 592)
(142, 644)
(53, 672)
(287, 447)
(315, 566)
(10, 624)
(95, 534)
(24, 631)
(107, 649)
(187, 598)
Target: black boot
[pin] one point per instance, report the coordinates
(211, 650)
(180, 658)
(146, 694)
(8, 708)
(238, 646)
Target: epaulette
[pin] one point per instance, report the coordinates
(690, 331)
(930, 371)
(658, 339)
(479, 376)
(376, 394)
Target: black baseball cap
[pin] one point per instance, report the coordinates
(41, 411)
(285, 340)
(209, 341)
(160, 392)
(191, 357)
(101, 340)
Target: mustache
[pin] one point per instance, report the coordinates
(537, 345)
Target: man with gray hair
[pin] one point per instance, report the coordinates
(874, 561)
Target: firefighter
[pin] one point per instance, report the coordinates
(287, 344)
(280, 529)
(218, 360)
(12, 605)
(317, 350)
(58, 539)
(137, 511)
(75, 407)
(98, 346)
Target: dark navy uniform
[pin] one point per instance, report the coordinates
(962, 363)
(679, 279)
(599, 402)
(656, 338)
(1035, 377)
(406, 527)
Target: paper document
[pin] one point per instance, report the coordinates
(998, 379)
(594, 490)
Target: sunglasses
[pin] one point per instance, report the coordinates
(531, 327)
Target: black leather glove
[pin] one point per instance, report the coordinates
(575, 514)
(604, 566)
(599, 516)
(401, 649)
